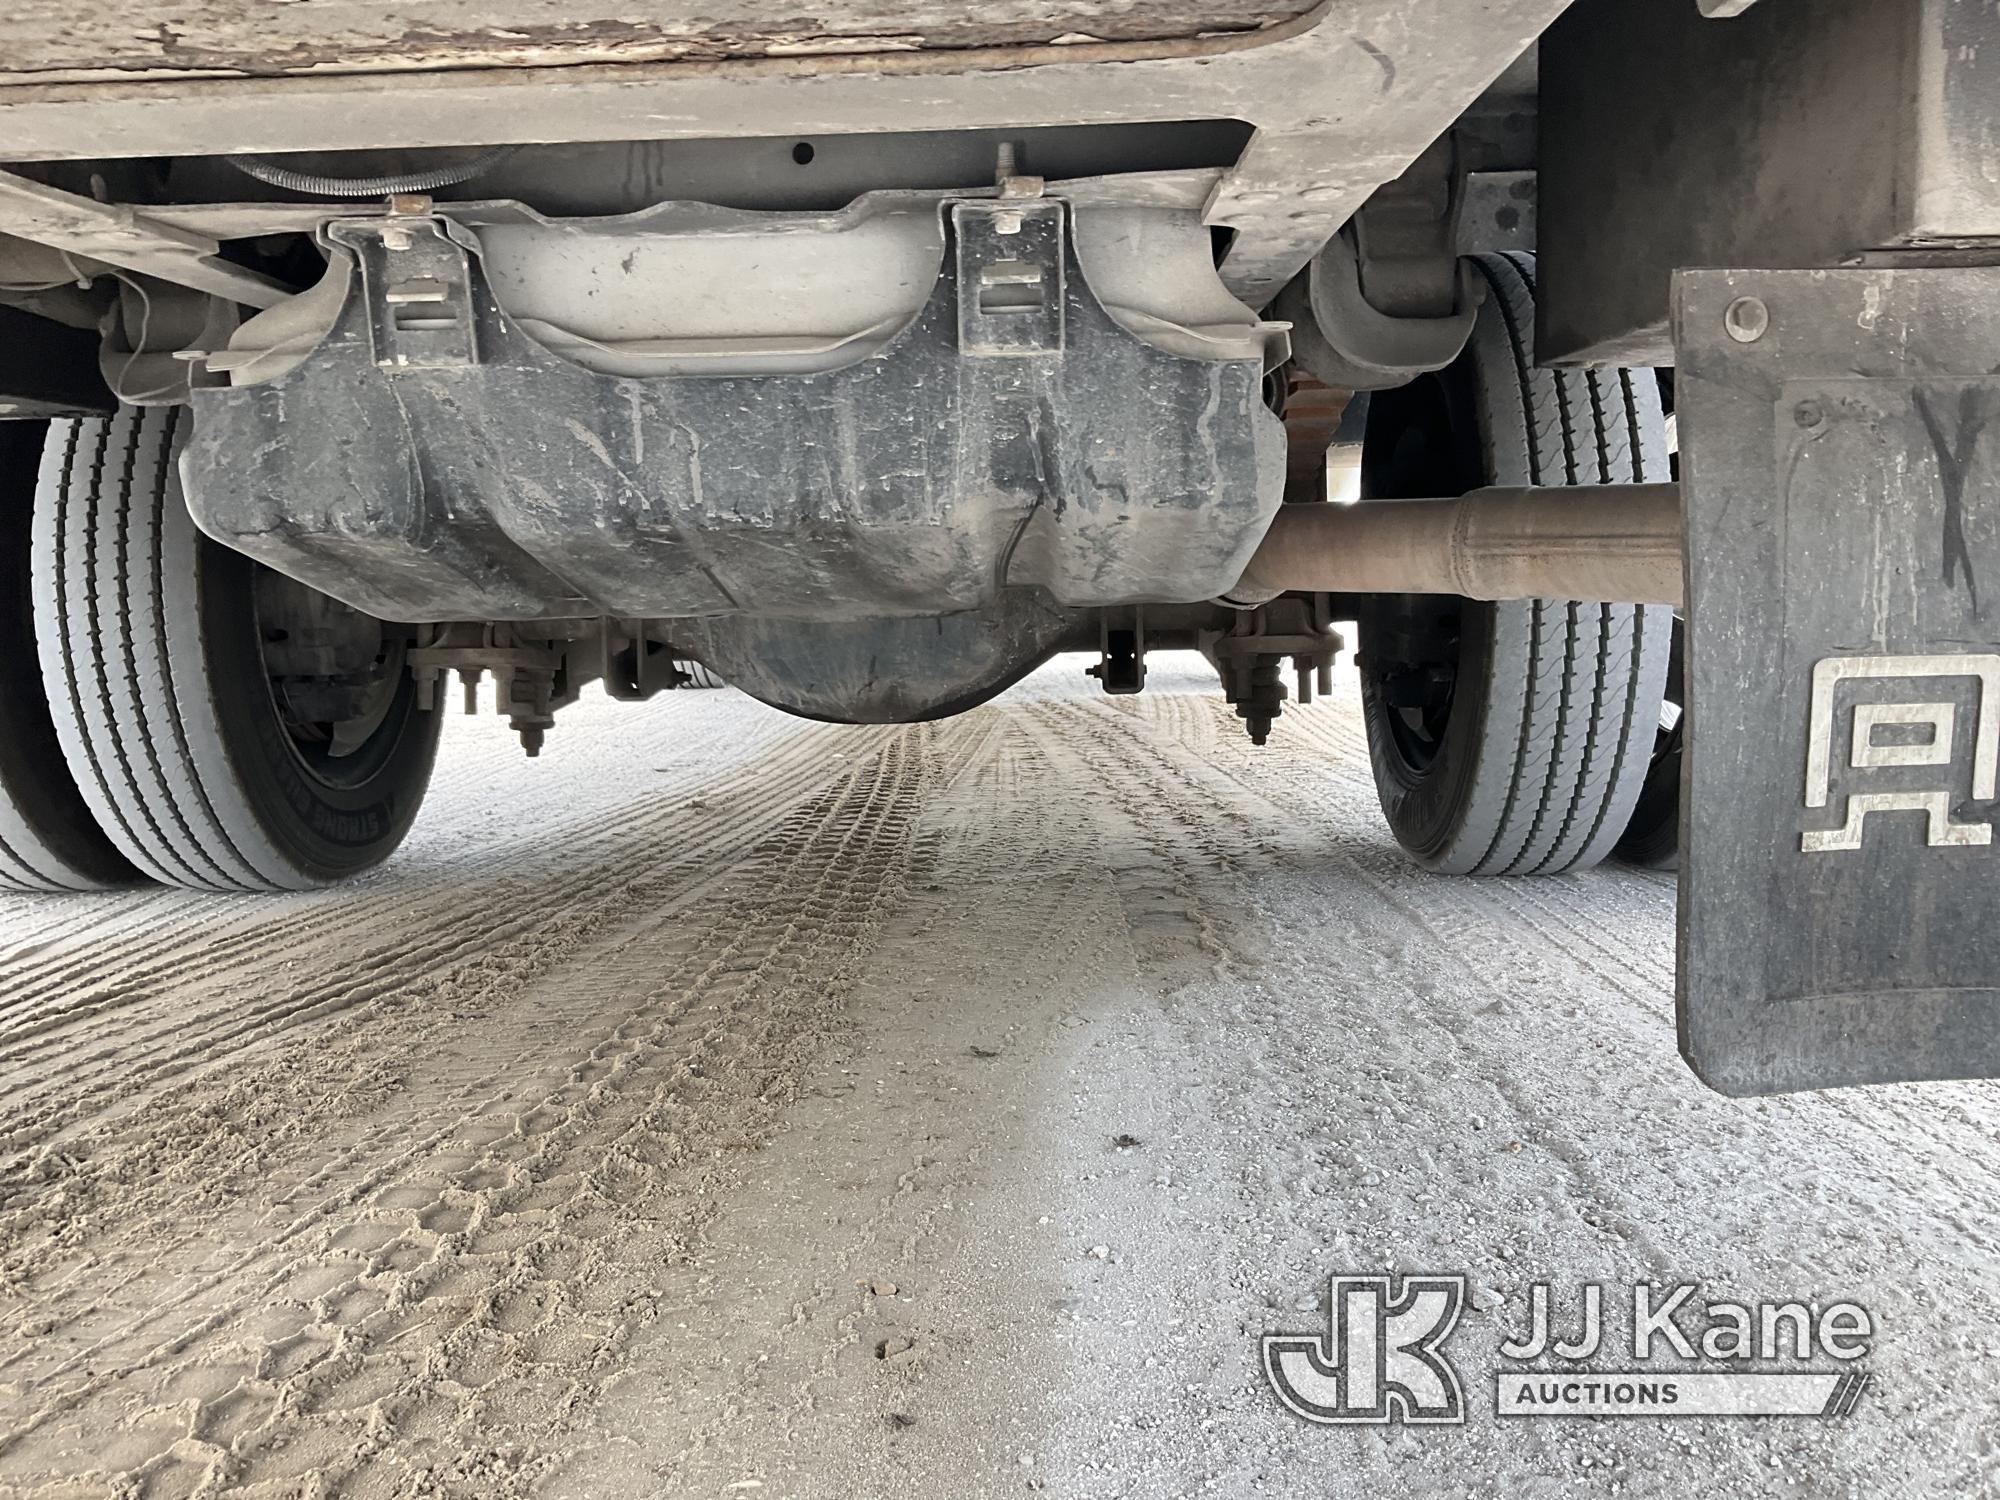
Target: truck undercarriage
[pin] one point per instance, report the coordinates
(870, 363)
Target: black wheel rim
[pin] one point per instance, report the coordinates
(344, 753)
(1422, 441)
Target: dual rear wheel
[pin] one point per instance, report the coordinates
(173, 710)
(1517, 737)
(49, 838)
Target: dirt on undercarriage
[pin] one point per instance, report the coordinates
(731, 1105)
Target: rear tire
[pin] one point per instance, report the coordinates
(697, 675)
(49, 840)
(154, 662)
(1511, 738)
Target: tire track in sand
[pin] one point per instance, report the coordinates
(138, 961)
(450, 942)
(490, 1274)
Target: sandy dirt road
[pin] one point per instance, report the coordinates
(730, 1105)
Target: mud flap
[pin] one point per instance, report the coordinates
(1840, 878)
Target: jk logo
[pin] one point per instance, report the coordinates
(1379, 1359)
(1925, 735)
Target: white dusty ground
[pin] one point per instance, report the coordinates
(727, 1105)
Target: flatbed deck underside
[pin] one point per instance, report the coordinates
(1341, 99)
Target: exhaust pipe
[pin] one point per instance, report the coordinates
(1614, 542)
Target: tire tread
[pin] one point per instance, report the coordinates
(1563, 785)
(124, 659)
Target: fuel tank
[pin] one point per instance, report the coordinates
(907, 409)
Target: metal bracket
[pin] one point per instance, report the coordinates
(1494, 211)
(1347, 343)
(417, 281)
(530, 681)
(1010, 276)
(626, 662)
(1249, 657)
(1121, 660)
(115, 234)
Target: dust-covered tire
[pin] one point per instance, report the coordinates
(49, 839)
(1511, 738)
(153, 663)
(697, 675)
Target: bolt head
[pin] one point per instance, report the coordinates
(1746, 319)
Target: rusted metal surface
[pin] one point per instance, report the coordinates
(1312, 416)
(52, 42)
